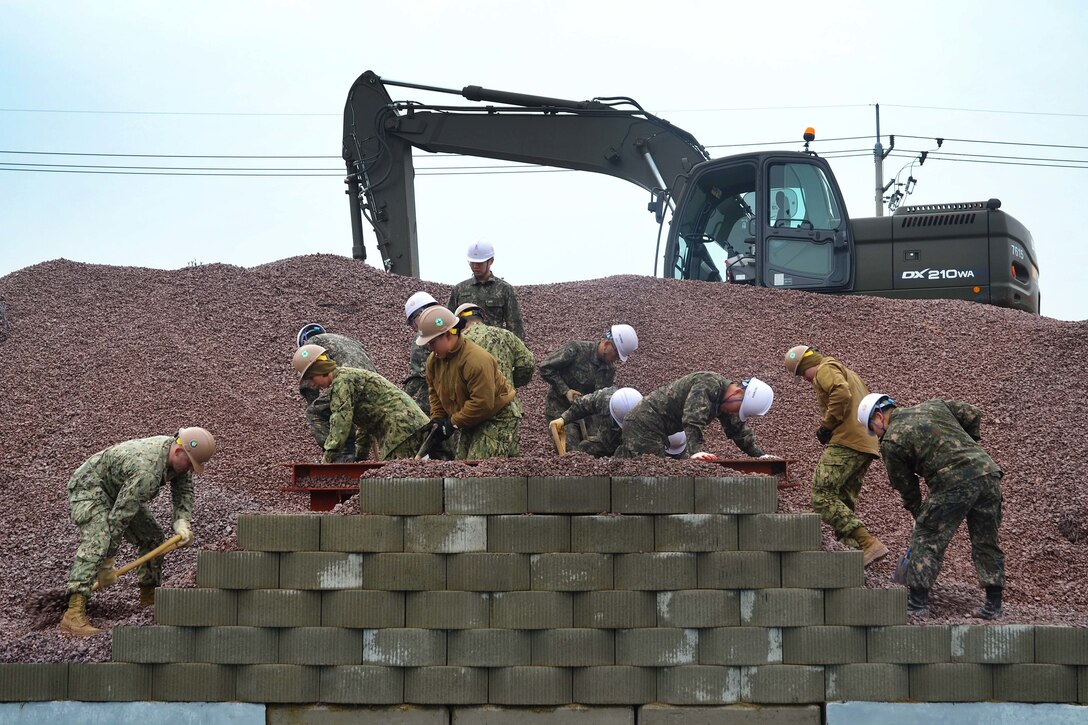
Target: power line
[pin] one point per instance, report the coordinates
(1002, 143)
(986, 110)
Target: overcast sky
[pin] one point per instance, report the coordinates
(236, 78)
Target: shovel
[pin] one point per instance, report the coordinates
(900, 574)
(559, 438)
(164, 548)
(426, 447)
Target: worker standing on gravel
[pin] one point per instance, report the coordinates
(689, 404)
(345, 352)
(938, 440)
(606, 410)
(579, 368)
(364, 399)
(515, 360)
(416, 382)
(468, 391)
(849, 450)
(108, 496)
(494, 295)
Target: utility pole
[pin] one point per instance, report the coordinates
(879, 154)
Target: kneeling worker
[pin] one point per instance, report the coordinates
(606, 408)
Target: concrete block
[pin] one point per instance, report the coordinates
(910, 645)
(695, 532)
(951, 682)
(779, 532)
(698, 685)
(1035, 683)
(531, 685)
(698, 608)
(740, 570)
(960, 713)
(196, 607)
(658, 714)
(401, 496)
(192, 682)
(321, 646)
(781, 607)
(612, 533)
(736, 495)
(653, 495)
(280, 714)
(573, 572)
(132, 713)
(993, 644)
(147, 645)
(657, 647)
(278, 683)
(279, 532)
(656, 571)
(33, 681)
(823, 645)
(582, 647)
(363, 685)
(236, 570)
(486, 496)
(362, 608)
(865, 607)
(236, 645)
(405, 572)
(1061, 645)
(532, 610)
(109, 681)
(1082, 684)
(782, 684)
(489, 648)
(321, 570)
(447, 610)
(823, 569)
(445, 534)
(445, 685)
(487, 572)
(364, 534)
(526, 534)
(615, 609)
(279, 608)
(569, 494)
(404, 647)
(740, 646)
(615, 686)
(574, 714)
(867, 681)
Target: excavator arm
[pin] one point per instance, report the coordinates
(613, 136)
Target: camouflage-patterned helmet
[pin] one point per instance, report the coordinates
(306, 356)
(793, 358)
(198, 444)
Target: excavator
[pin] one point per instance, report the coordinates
(770, 218)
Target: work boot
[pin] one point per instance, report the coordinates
(992, 608)
(147, 595)
(75, 619)
(917, 602)
(871, 546)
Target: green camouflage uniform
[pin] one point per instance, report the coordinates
(346, 353)
(107, 496)
(515, 360)
(594, 407)
(936, 440)
(494, 438)
(497, 299)
(575, 366)
(416, 382)
(378, 409)
(688, 404)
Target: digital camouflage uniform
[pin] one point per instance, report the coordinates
(495, 297)
(107, 495)
(575, 366)
(346, 353)
(688, 404)
(378, 409)
(515, 360)
(594, 408)
(936, 440)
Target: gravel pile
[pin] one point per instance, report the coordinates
(94, 355)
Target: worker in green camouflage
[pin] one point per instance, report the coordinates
(849, 449)
(606, 410)
(938, 440)
(416, 382)
(689, 404)
(108, 494)
(494, 295)
(515, 360)
(377, 408)
(580, 367)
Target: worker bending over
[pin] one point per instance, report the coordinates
(416, 382)
(515, 360)
(606, 409)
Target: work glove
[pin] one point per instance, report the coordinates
(703, 456)
(107, 575)
(768, 455)
(442, 428)
(824, 435)
(181, 528)
(573, 395)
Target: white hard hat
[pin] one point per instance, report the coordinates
(417, 302)
(867, 405)
(624, 338)
(758, 397)
(621, 403)
(480, 251)
(677, 443)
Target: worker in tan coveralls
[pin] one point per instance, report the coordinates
(849, 449)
